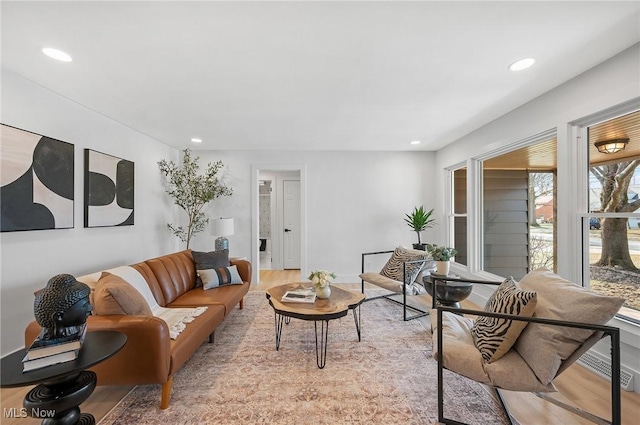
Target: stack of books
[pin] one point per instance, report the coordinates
(46, 352)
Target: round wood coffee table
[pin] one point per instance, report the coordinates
(322, 310)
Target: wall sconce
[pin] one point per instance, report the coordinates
(611, 146)
(222, 227)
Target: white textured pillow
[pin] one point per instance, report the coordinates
(213, 278)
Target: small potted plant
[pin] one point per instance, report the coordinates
(442, 256)
(419, 220)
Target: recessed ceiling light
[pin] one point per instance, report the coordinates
(522, 64)
(415, 142)
(196, 140)
(57, 54)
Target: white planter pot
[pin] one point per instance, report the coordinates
(442, 267)
(323, 292)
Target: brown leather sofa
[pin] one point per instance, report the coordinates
(150, 356)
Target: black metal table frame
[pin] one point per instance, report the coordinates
(284, 317)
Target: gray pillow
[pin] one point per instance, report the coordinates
(210, 260)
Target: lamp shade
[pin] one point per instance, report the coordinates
(222, 226)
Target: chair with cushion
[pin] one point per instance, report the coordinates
(400, 275)
(528, 333)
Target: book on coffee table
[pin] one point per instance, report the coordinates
(301, 295)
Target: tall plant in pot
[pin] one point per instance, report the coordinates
(192, 191)
(419, 221)
(442, 256)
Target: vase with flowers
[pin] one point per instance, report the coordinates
(321, 280)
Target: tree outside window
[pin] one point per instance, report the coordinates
(614, 198)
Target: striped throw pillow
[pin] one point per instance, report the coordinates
(394, 267)
(213, 278)
(495, 336)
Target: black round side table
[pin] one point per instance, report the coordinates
(62, 387)
(449, 289)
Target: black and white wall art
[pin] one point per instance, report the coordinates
(108, 190)
(36, 181)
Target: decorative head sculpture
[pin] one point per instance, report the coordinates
(62, 306)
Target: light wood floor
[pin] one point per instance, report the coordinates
(577, 386)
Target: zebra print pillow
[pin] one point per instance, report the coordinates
(494, 336)
(393, 268)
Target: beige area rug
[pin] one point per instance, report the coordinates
(387, 378)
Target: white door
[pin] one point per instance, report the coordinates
(291, 223)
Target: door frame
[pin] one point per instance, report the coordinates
(255, 214)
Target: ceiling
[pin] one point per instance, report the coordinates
(309, 75)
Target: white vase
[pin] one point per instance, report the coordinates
(442, 267)
(323, 292)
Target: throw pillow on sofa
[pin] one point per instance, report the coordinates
(560, 299)
(113, 295)
(210, 260)
(394, 267)
(494, 336)
(213, 278)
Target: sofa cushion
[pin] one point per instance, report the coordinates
(213, 278)
(545, 347)
(494, 336)
(113, 295)
(228, 296)
(461, 355)
(394, 267)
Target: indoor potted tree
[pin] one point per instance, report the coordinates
(192, 191)
(442, 256)
(419, 220)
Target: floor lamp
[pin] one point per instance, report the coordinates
(222, 227)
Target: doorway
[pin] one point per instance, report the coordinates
(278, 218)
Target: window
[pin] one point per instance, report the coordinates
(514, 209)
(518, 200)
(612, 242)
(459, 219)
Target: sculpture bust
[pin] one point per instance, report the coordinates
(62, 306)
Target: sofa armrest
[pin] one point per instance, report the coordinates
(145, 358)
(244, 269)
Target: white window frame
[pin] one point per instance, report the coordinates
(579, 131)
(475, 228)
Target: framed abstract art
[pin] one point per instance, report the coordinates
(108, 190)
(36, 181)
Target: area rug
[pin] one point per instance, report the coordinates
(387, 378)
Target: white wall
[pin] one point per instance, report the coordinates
(355, 202)
(29, 259)
(611, 83)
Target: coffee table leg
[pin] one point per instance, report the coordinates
(321, 345)
(278, 320)
(356, 318)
